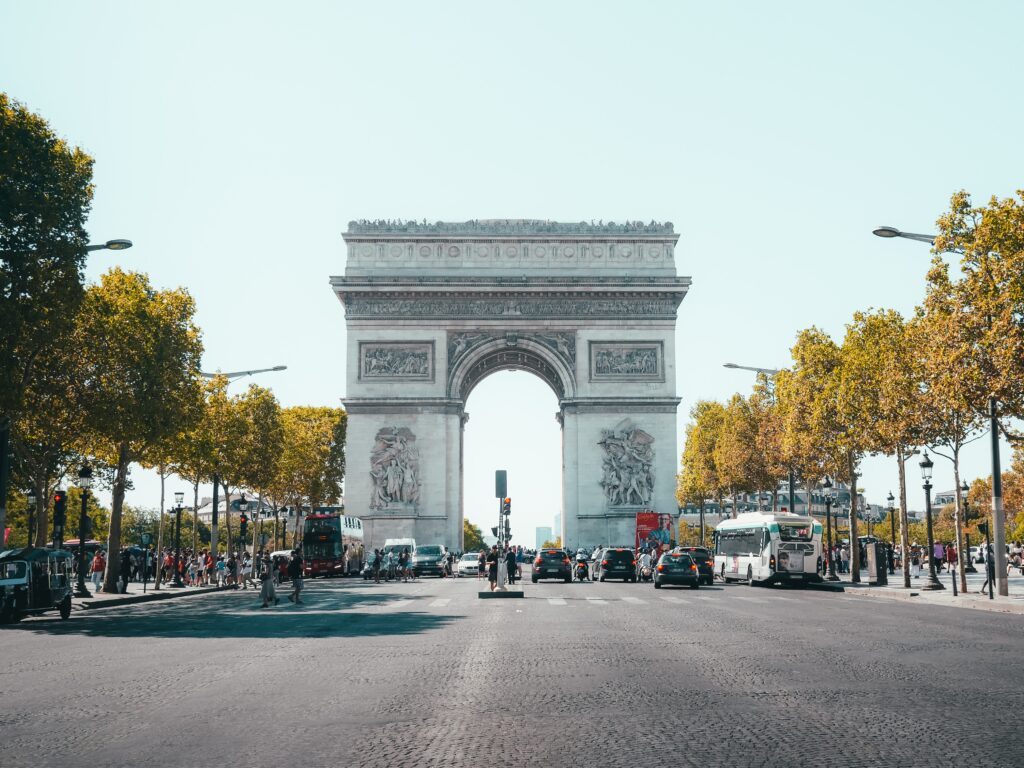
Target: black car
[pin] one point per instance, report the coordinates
(677, 568)
(552, 564)
(430, 560)
(704, 559)
(617, 563)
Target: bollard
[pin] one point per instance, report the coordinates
(952, 576)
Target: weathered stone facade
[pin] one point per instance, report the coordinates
(432, 309)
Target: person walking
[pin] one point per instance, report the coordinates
(126, 569)
(377, 557)
(510, 565)
(295, 574)
(267, 589)
(492, 566)
(481, 564)
(99, 564)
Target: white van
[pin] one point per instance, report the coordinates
(397, 545)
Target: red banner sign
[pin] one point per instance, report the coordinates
(654, 531)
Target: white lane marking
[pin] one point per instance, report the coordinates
(749, 599)
(441, 602)
(556, 601)
(397, 604)
(634, 600)
(597, 600)
(670, 599)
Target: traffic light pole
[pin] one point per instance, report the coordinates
(80, 589)
(502, 568)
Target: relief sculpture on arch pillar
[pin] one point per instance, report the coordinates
(395, 469)
(628, 467)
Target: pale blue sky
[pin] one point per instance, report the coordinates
(233, 141)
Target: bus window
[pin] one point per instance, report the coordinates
(795, 531)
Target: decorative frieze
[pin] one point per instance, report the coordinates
(627, 361)
(358, 306)
(492, 227)
(396, 360)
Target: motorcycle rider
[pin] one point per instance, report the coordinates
(642, 562)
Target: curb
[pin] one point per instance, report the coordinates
(146, 598)
(914, 596)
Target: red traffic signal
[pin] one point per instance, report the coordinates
(506, 506)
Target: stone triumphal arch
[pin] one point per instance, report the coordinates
(432, 309)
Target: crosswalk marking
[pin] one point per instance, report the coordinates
(670, 599)
(634, 600)
(749, 599)
(441, 602)
(398, 604)
(556, 601)
(597, 600)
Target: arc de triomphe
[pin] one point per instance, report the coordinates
(432, 309)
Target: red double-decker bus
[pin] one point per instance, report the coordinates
(332, 543)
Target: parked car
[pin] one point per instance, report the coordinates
(552, 564)
(677, 568)
(617, 563)
(704, 560)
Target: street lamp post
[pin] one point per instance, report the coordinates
(84, 483)
(926, 473)
(827, 485)
(30, 500)
(998, 533)
(964, 492)
(179, 499)
(892, 520)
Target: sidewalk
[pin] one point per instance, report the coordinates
(974, 598)
(134, 595)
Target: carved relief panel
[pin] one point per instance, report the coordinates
(627, 361)
(396, 360)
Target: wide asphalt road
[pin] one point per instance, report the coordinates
(426, 674)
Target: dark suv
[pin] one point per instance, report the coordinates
(705, 562)
(552, 564)
(617, 563)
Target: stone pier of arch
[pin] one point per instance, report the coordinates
(433, 309)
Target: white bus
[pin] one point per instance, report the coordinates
(768, 548)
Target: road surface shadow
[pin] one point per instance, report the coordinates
(318, 617)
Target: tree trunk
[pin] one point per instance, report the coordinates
(901, 458)
(854, 544)
(113, 572)
(159, 559)
(195, 517)
(958, 523)
(227, 516)
(42, 516)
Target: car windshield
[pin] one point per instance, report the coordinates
(428, 550)
(470, 557)
(618, 554)
(552, 555)
(678, 560)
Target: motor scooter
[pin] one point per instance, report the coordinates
(581, 569)
(646, 573)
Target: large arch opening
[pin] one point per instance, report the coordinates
(513, 426)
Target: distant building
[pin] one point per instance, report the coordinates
(544, 534)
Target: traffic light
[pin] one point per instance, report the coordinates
(243, 526)
(494, 531)
(506, 506)
(60, 508)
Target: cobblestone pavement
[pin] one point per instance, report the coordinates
(425, 674)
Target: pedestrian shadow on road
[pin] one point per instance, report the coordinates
(203, 618)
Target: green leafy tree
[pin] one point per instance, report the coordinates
(472, 537)
(45, 196)
(700, 477)
(138, 351)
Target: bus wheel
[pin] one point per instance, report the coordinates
(750, 576)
